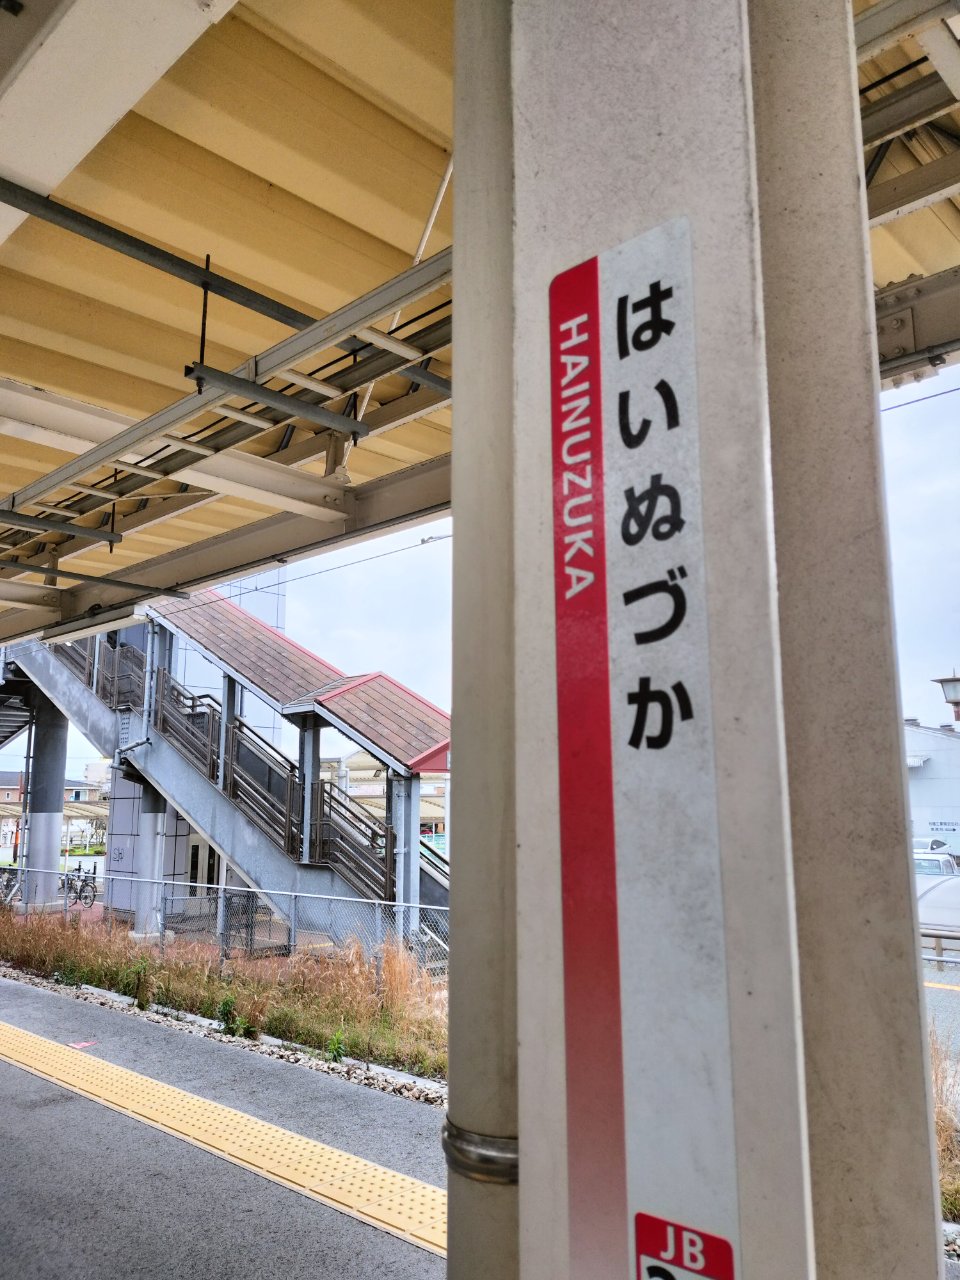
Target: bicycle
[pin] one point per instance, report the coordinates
(9, 887)
(80, 886)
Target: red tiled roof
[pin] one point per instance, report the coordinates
(280, 668)
(390, 715)
(376, 707)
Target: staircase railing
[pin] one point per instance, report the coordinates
(121, 676)
(79, 657)
(435, 860)
(260, 780)
(345, 834)
(189, 723)
(265, 785)
(116, 675)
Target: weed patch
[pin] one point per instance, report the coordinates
(344, 1002)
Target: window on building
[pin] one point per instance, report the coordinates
(76, 795)
(194, 868)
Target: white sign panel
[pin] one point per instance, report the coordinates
(644, 943)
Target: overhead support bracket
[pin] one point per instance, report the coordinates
(81, 224)
(917, 328)
(292, 405)
(940, 45)
(885, 24)
(22, 594)
(41, 525)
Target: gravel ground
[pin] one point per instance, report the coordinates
(433, 1092)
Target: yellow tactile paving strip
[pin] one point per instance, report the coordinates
(412, 1210)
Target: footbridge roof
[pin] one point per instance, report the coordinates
(373, 710)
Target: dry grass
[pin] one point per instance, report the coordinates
(945, 1072)
(384, 1006)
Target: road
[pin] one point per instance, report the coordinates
(89, 1193)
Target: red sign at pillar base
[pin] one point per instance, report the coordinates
(669, 1251)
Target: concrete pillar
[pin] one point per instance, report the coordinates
(148, 859)
(403, 814)
(310, 730)
(406, 825)
(48, 772)
(229, 710)
(483, 1222)
(863, 1012)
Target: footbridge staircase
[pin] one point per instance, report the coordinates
(282, 825)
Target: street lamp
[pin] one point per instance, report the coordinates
(951, 692)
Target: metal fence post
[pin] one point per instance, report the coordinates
(222, 920)
(66, 888)
(162, 916)
(292, 936)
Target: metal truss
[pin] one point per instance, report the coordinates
(187, 453)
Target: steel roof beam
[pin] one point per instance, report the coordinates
(22, 594)
(330, 332)
(57, 572)
(17, 520)
(392, 501)
(908, 108)
(293, 406)
(81, 224)
(915, 189)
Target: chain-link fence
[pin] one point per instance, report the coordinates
(236, 920)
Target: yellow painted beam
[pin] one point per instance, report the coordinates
(68, 324)
(270, 112)
(397, 56)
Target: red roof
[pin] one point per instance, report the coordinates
(375, 707)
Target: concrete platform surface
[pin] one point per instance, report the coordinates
(89, 1193)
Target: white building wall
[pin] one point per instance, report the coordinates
(933, 769)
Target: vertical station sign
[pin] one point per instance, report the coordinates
(649, 1091)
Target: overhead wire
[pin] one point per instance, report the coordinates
(905, 404)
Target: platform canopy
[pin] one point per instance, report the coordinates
(305, 145)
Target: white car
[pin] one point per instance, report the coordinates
(933, 864)
(930, 844)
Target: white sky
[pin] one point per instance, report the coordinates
(922, 459)
(384, 605)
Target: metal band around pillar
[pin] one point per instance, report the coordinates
(480, 1157)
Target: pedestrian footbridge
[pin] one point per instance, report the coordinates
(281, 824)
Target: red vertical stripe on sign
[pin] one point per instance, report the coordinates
(599, 1231)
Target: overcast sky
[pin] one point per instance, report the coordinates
(384, 605)
(923, 502)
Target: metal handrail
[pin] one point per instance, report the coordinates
(437, 861)
(189, 722)
(345, 833)
(265, 784)
(273, 802)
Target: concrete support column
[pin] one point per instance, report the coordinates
(406, 825)
(403, 815)
(229, 710)
(48, 771)
(483, 1215)
(148, 859)
(863, 1011)
(310, 771)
